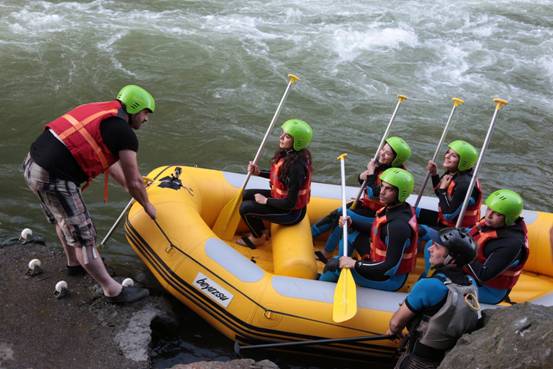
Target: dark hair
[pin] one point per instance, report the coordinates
(290, 158)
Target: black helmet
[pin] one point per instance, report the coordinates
(459, 244)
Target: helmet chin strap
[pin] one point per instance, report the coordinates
(447, 259)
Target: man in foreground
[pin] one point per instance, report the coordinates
(89, 140)
(441, 308)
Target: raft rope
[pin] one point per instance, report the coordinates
(171, 244)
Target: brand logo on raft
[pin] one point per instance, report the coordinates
(212, 290)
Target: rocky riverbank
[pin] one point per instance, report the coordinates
(83, 331)
(80, 330)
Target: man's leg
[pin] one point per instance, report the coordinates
(69, 251)
(97, 270)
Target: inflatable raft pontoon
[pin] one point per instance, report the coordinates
(271, 293)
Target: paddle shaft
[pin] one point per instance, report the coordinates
(345, 295)
(110, 232)
(400, 99)
(344, 208)
(456, 103)
(131, 201)
(499, 104)
(291, 81)
(237, 347)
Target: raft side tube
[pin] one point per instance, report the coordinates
(293, 253)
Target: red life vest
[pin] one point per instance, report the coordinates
(509, 277)
(472, 214)
(79, 130)
(279, 190)
(379, 248)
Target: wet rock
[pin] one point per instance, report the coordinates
(134, 338)
(232, 364)
(81, 331)
(518, 337)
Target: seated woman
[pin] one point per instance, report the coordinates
(290, 180)
(451, 189)
(394, 153)
(502, 247)
(393, 249)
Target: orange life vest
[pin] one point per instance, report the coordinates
(509, 277)
(472, 214)
(279, 190)
(379, 248)
(79, 130)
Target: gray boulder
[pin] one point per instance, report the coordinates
(517, 337)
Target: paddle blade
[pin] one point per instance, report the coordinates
(228, 219)
(345, 297)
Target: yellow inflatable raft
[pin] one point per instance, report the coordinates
(270, 293)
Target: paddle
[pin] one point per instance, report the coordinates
(345, 294)
(456, 103)
(400, 99)
(238, 348)
(228, 219)
(499, 103)
(108, 235)
(147, 182)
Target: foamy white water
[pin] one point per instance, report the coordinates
(218, 69)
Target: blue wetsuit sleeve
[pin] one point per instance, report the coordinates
(426, 293)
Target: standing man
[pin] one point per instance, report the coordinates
(89, 140)
(439, 309)
(503, 250)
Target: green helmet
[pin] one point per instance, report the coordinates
(400, 179)
(507, 203)
(401, 149)
(136, 99)
(300, 131)
(467, 154)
